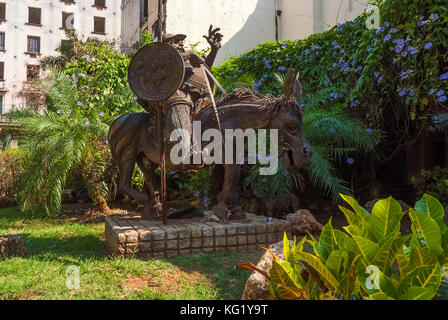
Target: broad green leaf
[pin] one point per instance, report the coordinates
(418, 293)
(402, 261)
(375, 281)
(284, 284)
(427, 231)
(385, 255)
(368, 248)
(327, 242)
(360, 211)
(431, 206)
(424, 277)
(321, 269)
(379, 296)
(386, 217)
(286, 247)
(337, 263)
(421, 257)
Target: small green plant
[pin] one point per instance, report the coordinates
(434, 181)
(11, 167)
(371, 260)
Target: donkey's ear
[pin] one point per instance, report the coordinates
(288, 85)
(297, 88)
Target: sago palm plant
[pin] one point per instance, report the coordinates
(59, 142)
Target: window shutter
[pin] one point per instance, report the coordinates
(34, 15)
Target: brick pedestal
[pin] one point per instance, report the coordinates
(128, 236)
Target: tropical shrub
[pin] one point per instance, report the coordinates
(11, 167)
(371, 259)
(434, 181)
(391, 79)
(57, 143)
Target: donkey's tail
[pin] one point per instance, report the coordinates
(123, 134)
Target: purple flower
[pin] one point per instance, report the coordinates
(59, 111)
(428, 45)
(411, 92)
(80, 104)
(350, 161)
(387, 37)
(359, 68)
(352, 105)
(394, 60)
(87, 58)
(379, 80)
(404, 53)
(284, 46)
(386, 23)
(413, 51)
(101, 114)
(434, 17)
(402, 92)
(444, 76)
(431, 92)
(206, 199)
(398, 49)
(332, 130)
(421, 23)
(288, 59)
(258, 84)
(196, 194)
(106, 140)
(393, 30)
(281, 68)
(376, 74)
(314, 47)
(442, 99)
(440, 92)
(82, 75)
(368, 130)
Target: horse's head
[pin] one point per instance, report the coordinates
(293, 145)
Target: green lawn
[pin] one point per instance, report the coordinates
(55, 244)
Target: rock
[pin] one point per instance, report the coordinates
(214, 218)
(303, 222)
(6, 202)
(12, 246)
(257, 285)
(369, 205)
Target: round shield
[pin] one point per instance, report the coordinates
(156, 72)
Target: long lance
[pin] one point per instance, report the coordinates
(160, 105)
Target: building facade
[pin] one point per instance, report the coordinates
(247, 23)
(33, 29)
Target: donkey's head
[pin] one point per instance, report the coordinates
(293, 145)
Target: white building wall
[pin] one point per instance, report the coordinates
(130, 26)
(51, 33)
(244, 23)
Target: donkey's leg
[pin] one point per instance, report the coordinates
(126, 170)
(228, 197)
(148, 167)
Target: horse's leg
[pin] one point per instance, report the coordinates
(148, 167)
(228, 197)
(126, 170)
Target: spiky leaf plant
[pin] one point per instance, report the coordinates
(59, 141)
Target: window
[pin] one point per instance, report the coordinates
(34, 16)
(68, 20)
(33, 45)
(32, 72)
(2, 11)
(2, 41)
(100, 3)
(99, 25)
(2, 70)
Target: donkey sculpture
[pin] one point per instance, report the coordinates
(134, 139)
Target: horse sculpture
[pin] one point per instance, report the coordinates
(134, 139)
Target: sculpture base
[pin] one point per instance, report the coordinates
(132, 236)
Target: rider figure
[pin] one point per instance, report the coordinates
(193, 94)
